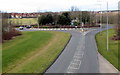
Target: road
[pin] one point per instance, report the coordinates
(80, 54)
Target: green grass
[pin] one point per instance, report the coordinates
(112, 54)
(32, 52)
(0, 58)
(24, 21)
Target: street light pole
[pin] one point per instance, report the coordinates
(90, 18)
(96, 18)
(100, 18)
(107, 29)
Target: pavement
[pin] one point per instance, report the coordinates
(105, 66)
(80, 54)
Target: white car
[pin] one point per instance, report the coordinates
(21, 28)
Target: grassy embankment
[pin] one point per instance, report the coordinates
(112, 54)
(24, 21)
(32, 52)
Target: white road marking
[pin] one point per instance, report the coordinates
(76, 62)
(78, 54)
(77, 58)
(71, 71)
(73, 67)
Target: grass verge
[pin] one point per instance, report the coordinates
(112, 54)
(32, 52)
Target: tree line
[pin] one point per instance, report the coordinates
(66, 18)
(63, 19)
(86, 17)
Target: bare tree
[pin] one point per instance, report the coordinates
(73, 8)
(7, 28)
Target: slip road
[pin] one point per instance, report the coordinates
(79, 56)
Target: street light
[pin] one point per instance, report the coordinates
(100, 17)
(96, 18)
(107, 29)
(90, 18)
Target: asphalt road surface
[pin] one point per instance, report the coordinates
(80, 54)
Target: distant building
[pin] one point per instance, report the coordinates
(30, 15)
(24, 15)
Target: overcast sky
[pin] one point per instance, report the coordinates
(55, 5)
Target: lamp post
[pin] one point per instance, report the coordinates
(100, 18)
(107, 30)
(96, 18)
(90, 18)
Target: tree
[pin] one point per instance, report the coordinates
(45, 19)
(64, 19)
(92, 18)
(5, 22)
(49, 19)
(73, 8)
(85, 17)
(55, 19)
(41, 20)
(7, 27)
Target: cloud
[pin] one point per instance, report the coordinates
(54, 5)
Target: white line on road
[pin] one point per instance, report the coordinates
(77, 58)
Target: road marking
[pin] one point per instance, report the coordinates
(76, 62)
(71, 71)
(73, 67)
(77, 58)
(78, 54)
(79, 51)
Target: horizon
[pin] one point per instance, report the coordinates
(60, 11)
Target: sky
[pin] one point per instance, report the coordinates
(55, 5)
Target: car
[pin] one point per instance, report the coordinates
(21, 27)
(28, 26)
(76, 27)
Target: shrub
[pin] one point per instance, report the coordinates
(9, 35)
